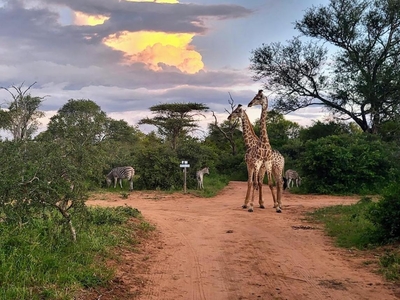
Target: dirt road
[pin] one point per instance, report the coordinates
(212, 249)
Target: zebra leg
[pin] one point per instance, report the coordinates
(115, 182)
(120, 183)
(131, 184)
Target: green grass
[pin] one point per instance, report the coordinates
(350, 227)
(39, 261)
(348, 224)
(212, 186)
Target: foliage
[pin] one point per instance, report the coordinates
(361, 84)
(323, 129)
(280, 130)
(213, 184)
(349, 225)
(78, 129)
(37, 261)
(386, 213)
(346, 164)
(174, 120)
(21, 118)
(80, 120)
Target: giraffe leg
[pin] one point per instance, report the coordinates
(250, 172)
(255, 182)
(271, 187)
(279, 188)
(261, 175)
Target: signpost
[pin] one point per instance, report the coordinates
(184, 164)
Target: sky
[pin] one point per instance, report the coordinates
(127, 55)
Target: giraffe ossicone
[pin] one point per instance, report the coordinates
(254, 161)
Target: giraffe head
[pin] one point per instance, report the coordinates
(237, 113)
(259, 99)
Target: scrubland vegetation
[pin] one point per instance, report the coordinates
(52, 244)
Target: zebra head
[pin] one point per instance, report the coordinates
(108, 181)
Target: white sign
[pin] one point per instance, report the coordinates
(184, 166)
(184, 162)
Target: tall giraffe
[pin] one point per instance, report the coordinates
(275, 163)
(252, 141)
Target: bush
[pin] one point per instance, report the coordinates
(385, 214)
(346, 164)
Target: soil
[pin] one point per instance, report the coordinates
(212, 249)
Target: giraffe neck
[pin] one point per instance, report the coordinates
(263, 126)
(249, 136)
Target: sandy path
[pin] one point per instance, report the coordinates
(212, 249)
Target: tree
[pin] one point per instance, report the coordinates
(81, 120)
(226, 130)
(174, 120)
(280, 130)
(363, 81)
(21, 118)
(79, 128)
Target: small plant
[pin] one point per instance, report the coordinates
(390, 265)
(124, 195)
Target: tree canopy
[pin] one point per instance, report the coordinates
(361, 81)
(21, 118)
(175, 119)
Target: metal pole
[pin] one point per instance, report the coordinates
(184, 180)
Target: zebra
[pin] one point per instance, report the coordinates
(121, 173)
(292, 178)
(199, 177)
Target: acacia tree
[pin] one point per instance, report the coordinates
(363, 81)
(174, 120)
(22, 114)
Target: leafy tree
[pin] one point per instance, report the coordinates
(347, 164)
(33, 178)
(361, 81)
(21, 118)
(79, 128)
(280, 130)
(323, 129)
(174, 120)
(80, 120)
(121, 131)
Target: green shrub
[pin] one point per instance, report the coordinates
(386, 213)
(346, 164)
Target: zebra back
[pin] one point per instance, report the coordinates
(291, 174)
(122, 173)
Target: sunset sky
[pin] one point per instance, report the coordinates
(127, 55)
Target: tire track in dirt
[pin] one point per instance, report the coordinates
(211, 249)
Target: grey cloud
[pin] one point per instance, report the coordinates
(136, 16)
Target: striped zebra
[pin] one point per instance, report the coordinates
(292, 177)
(199, 177)
(121, 173)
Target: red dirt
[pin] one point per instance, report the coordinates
(212, 249)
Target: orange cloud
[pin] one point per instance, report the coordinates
(151, 48)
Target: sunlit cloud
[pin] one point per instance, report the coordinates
(154, 49)
(84, 19)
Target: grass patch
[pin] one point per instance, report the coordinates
(213, 184)
(39, 261)
(348, 224)
(351, 227)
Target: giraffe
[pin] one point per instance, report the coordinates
(275, 163)
(251, 141)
